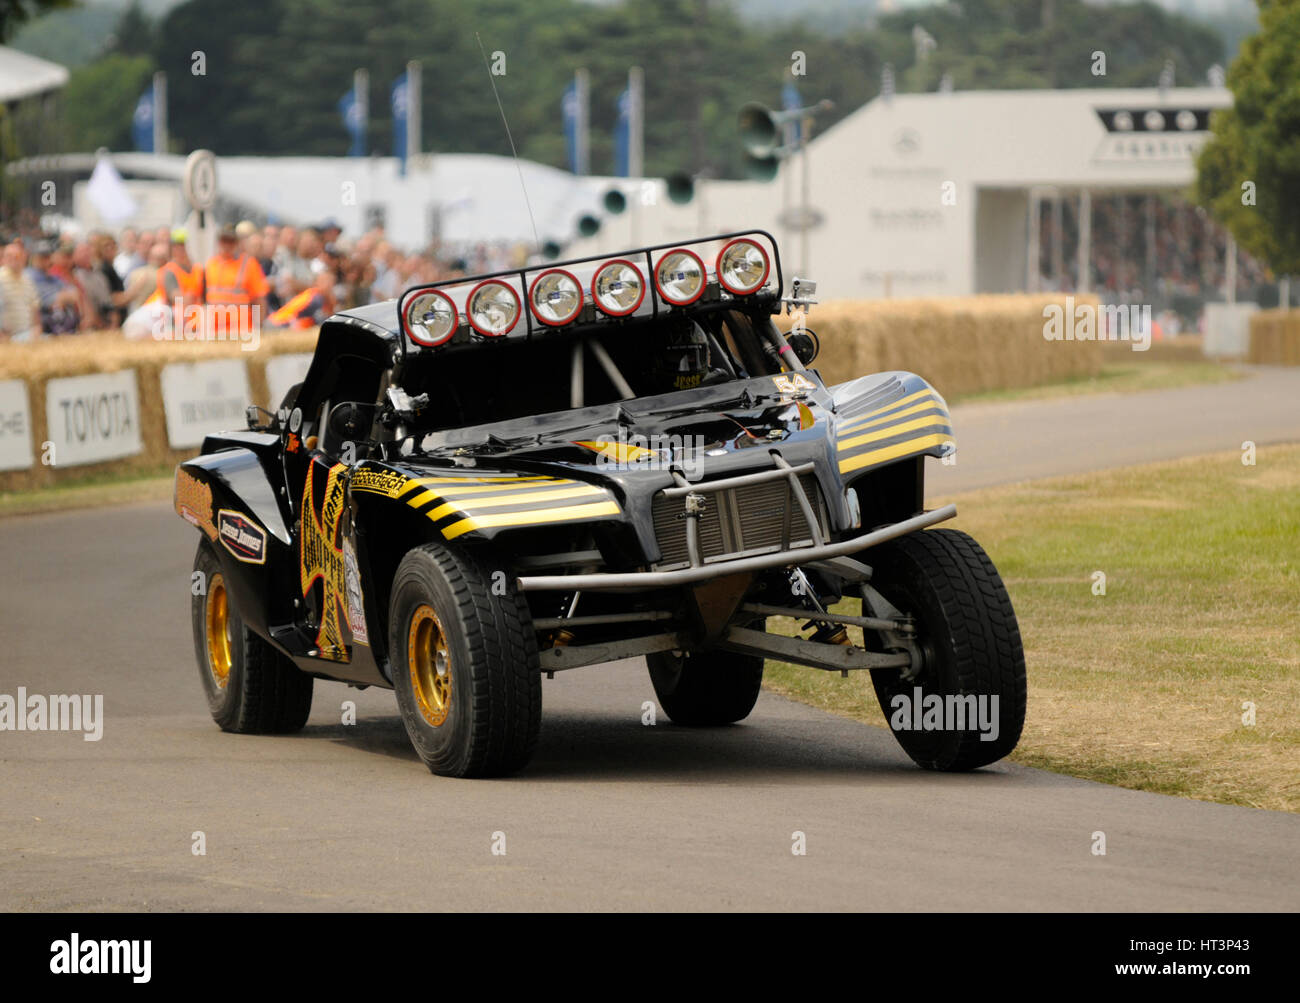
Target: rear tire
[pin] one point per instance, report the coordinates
(251, 688)
(706, 688)
(970, 644)
(465, 665)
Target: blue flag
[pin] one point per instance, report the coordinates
(789, 102)
(354, 120)
(401, 107)
(569, 108)
(142, 122)
(623, 134)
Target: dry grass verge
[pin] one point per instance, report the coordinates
(1144, 687)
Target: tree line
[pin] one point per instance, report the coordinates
(265, 76)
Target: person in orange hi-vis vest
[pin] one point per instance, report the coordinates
(180, 283)
(309, 307)
(235, 289)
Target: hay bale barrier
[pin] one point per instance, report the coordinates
(35, 365)
(1275, 338)
(961, 345)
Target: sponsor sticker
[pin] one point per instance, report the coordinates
(242, 537)
(380, 482)
(322, 557)
(356, 601)
(194, 502)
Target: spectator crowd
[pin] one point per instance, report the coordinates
(296, 276)
(1146, 248)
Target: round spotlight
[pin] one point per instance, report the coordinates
(618, 287)
(492, 308)
(680, 276)
(742, 267)
(555, 297)
(431, 318)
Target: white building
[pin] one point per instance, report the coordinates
(934, 194)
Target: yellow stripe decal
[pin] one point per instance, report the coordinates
(472, 489)
(517, 499)
(860, 424)
(530, 518)
(892, 452)
(909, 399)
(890, 430)
(476, 480)
(419, 498)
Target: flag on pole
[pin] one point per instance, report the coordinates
(623, 134)
(353, 113)
(569, 107)
(401, 108)
(574, 106)
(142, 122)
(789, 102)
(108, 194)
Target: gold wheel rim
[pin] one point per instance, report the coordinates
(429, 659)
(218, 618)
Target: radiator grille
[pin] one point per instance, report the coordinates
(752, 519)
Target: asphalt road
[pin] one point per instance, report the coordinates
(612, 814)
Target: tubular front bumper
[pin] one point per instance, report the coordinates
(717, 569)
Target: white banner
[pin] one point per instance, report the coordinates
(15, 426)
(91, 419)
(282, 372)
(203, 397)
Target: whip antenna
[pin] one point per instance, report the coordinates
(537, 240)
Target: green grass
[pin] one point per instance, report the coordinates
(91, 491)
(1115, 377)
(1143, 687)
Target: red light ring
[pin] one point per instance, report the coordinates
(572, 317)
(469, 312)
(767, 266)
(618, 313)
(704, 272)
(410, 332)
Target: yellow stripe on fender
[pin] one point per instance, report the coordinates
(859, 425)
(892, 452)
(496, 501)
(901, 402)
(419, 498)
(535, 517)
(477, 480)
(457, 491)
(890, 430)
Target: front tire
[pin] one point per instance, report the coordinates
(251, 688)
(465, 665)
(970, 644)
(707, 688)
